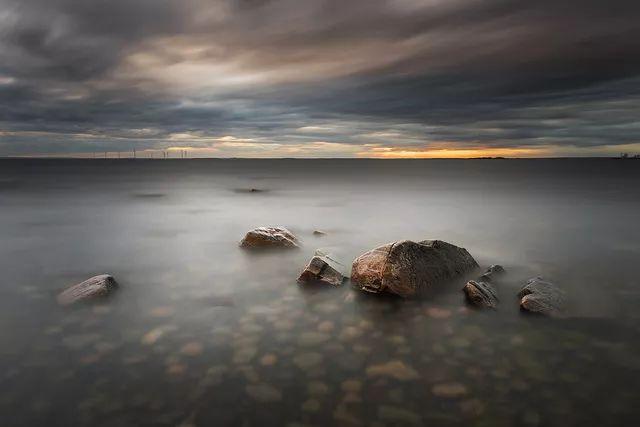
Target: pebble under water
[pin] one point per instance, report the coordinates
(201, 332)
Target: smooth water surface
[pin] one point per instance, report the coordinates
(203, 333)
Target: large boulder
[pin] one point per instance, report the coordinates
(94, 287)
(323, 269)
(407, 268)
(269, 237)
(542, 297)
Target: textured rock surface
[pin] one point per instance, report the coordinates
(269, 237)
(492, 273)
(323, 268)
(542, 297)
(406, 268)
(94, 287)
(481, 294)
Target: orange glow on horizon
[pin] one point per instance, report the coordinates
(452, 153)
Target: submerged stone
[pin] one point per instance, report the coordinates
(449, 390)
(264, 393)
(493, 272)
(94, 287)
(323, 269)
(480, 294)
(394, 369)
(407, 268)
(542, 297)
(269, 237)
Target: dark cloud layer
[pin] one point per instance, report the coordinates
(292, 77)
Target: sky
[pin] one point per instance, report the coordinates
(323, 78)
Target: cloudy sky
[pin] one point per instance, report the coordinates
(322, 78)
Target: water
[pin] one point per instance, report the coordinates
(203, 333)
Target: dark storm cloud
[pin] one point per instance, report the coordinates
(398, 73)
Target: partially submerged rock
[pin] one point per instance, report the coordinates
(319, 233)
(94, 287)
(542, 297)
(493, 272)
(407, 268)
(269, 237)
(323, 269)
(480, 294)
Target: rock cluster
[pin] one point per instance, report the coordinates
(407, 268)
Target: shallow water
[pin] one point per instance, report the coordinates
(203, 333)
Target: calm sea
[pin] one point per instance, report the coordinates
(202, 333)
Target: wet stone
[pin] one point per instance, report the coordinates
(449, 390)
(192, 349)
(94, 287)
(480, 294)
(263, 393)
(312, 339)
(492, 273)
(317, 388)
(407, 268)
(268, 359)
(541, 297)
(438, 313)
(311, 405)
(394, 369)
(353, 386)
(323, 269)
(398, 415)
(306, 361)
(269, 237)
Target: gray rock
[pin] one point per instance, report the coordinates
(542, 297)
(493, 272)
(407, 268)
(94, 287)
(481, 294)
(269, 237)
(323, 269)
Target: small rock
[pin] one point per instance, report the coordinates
(192, 349)
(319, 233)
(268, 359)
(163, 311)
(317, 388)
(494, 271)
(311, 405)
(351, 386)
(94, 287)
(264, 393)
(152, 336)
(394, 369)
(541, 297)
(407, 268)
(438, 313)
(312, 339)
(398, 415)
(306, 361)
(269, 237)
(449, 390)
(322, 269)
(480, 294)
(472, 407)
(326, 326)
